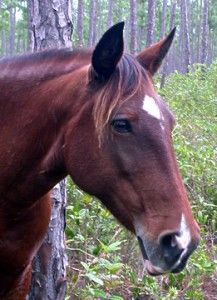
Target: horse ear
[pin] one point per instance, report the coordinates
(108, 51)
(152, 57)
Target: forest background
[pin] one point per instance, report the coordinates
(103, 257)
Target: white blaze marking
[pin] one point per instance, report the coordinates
(184, 238)
(151, 107)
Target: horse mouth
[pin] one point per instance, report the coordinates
(151, 270)
(155, 271)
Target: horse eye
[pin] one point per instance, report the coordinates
(121, 126)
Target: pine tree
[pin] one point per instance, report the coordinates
(80, 22)
(50, 26)
(151, 22)
(133, 26)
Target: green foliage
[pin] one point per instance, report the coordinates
(195, 105)
(104, 259)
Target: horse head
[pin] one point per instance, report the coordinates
(120, 150)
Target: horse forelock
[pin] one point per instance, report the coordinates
(128, 80)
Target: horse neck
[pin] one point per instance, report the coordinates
(41, 117)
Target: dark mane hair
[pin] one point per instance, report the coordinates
(128, 79)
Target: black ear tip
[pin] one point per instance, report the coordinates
(172, 33)
(108, 51)
(121, 25)
(118, 26)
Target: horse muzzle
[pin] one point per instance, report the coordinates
(170, 254)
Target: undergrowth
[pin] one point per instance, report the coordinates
(104, 259)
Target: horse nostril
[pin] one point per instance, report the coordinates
(170, 248)
(169, 240)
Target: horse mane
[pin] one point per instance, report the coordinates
(45, 64)
(127, 80)
(48, 54)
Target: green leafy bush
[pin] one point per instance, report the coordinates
(193, 98)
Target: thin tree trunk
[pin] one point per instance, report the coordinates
(150, 22)
(198, 30)
(12, 11)
(173, 15)
(167, 67)
(127, 35)
(163, 19)
(18, 46)
(211, 49)
(141, 23)
(185, 36)
(133, 26)
(4, 43)
(192, 27)
(96, 16)
(205, 32)
(25, 45)
(110, 11)
(92, 22)
(171, 61)
(162, 33)
(50, 26)
(80, 22)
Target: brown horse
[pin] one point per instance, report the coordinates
(95, 116)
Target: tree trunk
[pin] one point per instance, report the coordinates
(80, 22)
(211, 48)
(171, 60)
(141, 23)
(4, 42)
(12, 11)
(133, 26)
(110, 10)
(173, 15)
(162, 33)
(50, 26)
(92, 22)
(150, 22)
(185, 40)
(49, 266)
(18, 46)
(205, 32)
(192, 29)
(163, 19)
(127, 35)
(166, 66)
(198, 30)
